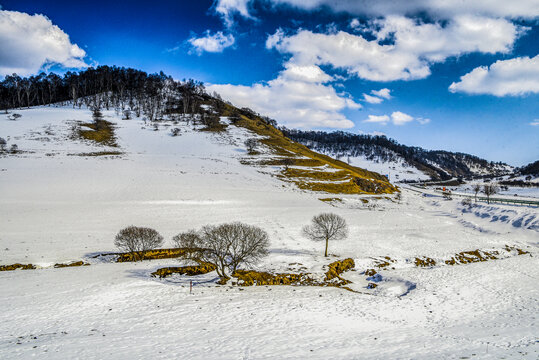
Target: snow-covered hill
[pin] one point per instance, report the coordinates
(63, 198)
(408, 163)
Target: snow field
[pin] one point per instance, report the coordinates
(60, 207)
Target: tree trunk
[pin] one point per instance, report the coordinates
(326, 253)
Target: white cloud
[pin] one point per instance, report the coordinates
(526, 9)
(416, 46)
(379, 96)
(215, 43)
(355, 24)
(383, 93)
(298, 97)
(397, 118)
(400, 118)
(30, 42)
(382, 119)
(514, 77)
(372, 99)
(228, 8)
(535, 122)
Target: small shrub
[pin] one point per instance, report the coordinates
(466, 202)
(251, 145)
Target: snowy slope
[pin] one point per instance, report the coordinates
(56, 206)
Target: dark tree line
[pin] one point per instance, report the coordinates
(530, 169)
(106, 87)
(380, 148)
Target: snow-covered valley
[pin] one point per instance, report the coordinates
(59, 203)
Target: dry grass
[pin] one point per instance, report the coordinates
(339, 175)
(364, 181)
(424, 262)
(200, 269)
(100, 131)
(250, 277)
(73, 264)
(17, 266)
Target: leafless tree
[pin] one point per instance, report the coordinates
(251, 145)
(227, 246)
(189, 240)
(489, 190)
(326, 226)
(476, 189)
(287, 162)
(3, 144)
(137, 240)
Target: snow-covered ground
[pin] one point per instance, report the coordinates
(56, 206)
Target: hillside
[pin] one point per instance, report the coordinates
(419, 163)
(161, 100)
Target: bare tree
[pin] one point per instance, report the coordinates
(287, 162)
(3, 144)
(476, 189)
(251, 145)
(326, 226)
(227, 246)
(189, 240)
(137, 240)
(489, 190)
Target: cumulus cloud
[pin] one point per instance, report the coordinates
(513, 77)
(397, 118)
(400, 118)
(383, 93)
(372, 99)
(379, 96)
(29, 43)
(298, 97)
(414, 48)
(381, 119)
(228, 8)
(438, 8)
(215, 43)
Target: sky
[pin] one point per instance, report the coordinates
(457, 75)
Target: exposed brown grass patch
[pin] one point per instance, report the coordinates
(250, 277)
(100, 131)
(73, 264)
(424, 262)
(17, 266)
(193, 270)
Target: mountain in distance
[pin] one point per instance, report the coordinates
(415, 163)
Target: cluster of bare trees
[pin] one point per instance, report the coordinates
(228, 246)
(487, 189)
(106, 87)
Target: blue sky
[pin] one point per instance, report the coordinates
(430, 73)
